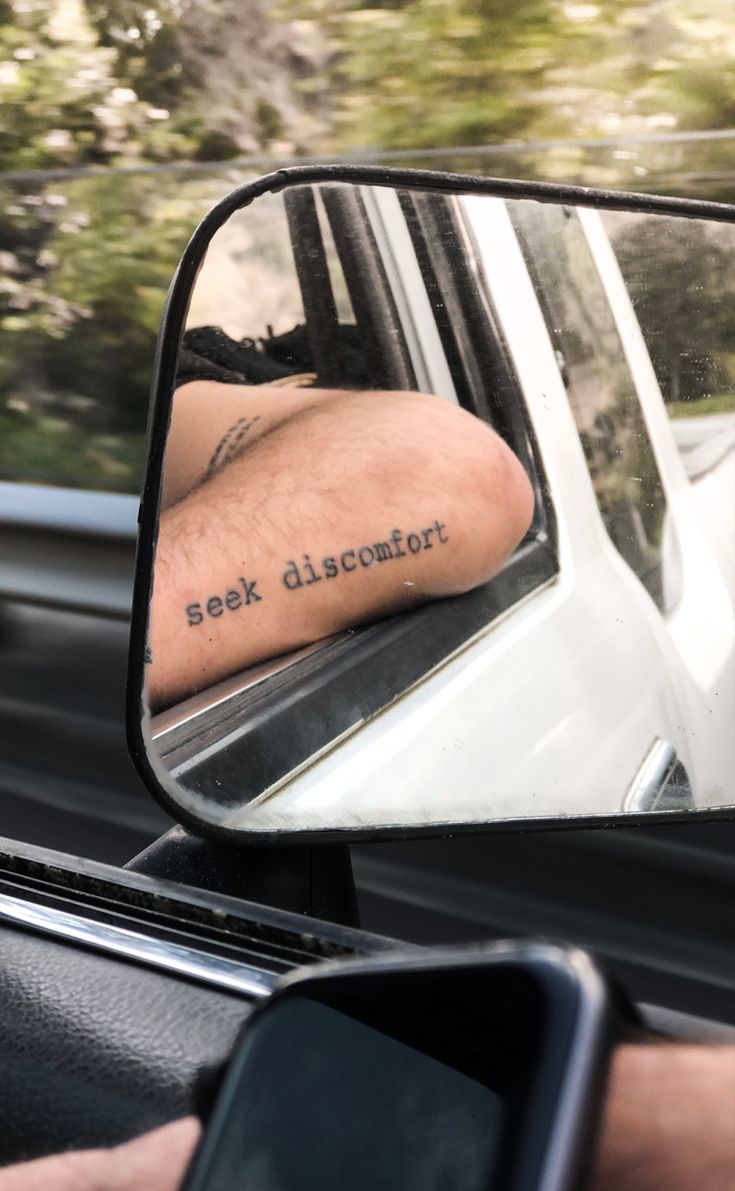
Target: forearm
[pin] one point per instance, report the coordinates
(669, 1120)
(156, 1161)
(339, 516)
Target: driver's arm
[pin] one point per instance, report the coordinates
(354, 506)
(157, 1161)
(669, 1123)
(669, 1120)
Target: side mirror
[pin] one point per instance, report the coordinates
(418, 552)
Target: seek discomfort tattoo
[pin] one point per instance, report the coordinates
(366, 556)
(305, 572)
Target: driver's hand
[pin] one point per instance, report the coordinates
(154, 1162)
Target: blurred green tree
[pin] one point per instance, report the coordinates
(85, 267)
(118, 82)
(88, 84)
(412, 73)
(60, 102)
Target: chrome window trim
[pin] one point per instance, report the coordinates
(649, 780)
(176, 958)
(659, 780)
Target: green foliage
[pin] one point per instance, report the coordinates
(721, 403)
(89, 82)
(120, 81)
(409, 73)
(143, 37)
(268, 121)
(80, 303)
(103, 83)
(58, 451)
(214, 145)
(55, 83)
(438, 72)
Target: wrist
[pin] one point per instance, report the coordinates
(668, 1120)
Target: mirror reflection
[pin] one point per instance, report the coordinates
(446, 529)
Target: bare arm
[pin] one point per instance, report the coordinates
(669, 1120)
(358, 506)
(669, 1123)
(154, 1162)
(213, 423)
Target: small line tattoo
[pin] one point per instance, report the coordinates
(230, 445)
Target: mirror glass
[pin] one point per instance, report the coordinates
(447, 516)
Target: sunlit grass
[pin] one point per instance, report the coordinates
(715, 403)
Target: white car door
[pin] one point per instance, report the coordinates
(564, 703)
(660, 662)
(696, 626)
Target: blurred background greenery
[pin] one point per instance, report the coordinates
(122, 122)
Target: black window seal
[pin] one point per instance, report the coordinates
(312, 272)
(368, 286)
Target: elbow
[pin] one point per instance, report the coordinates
(506, 502)
(472, 477)
(517, 498)
(493, 508)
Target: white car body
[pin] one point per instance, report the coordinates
(560, 704)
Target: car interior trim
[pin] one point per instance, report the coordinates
(156, 953)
